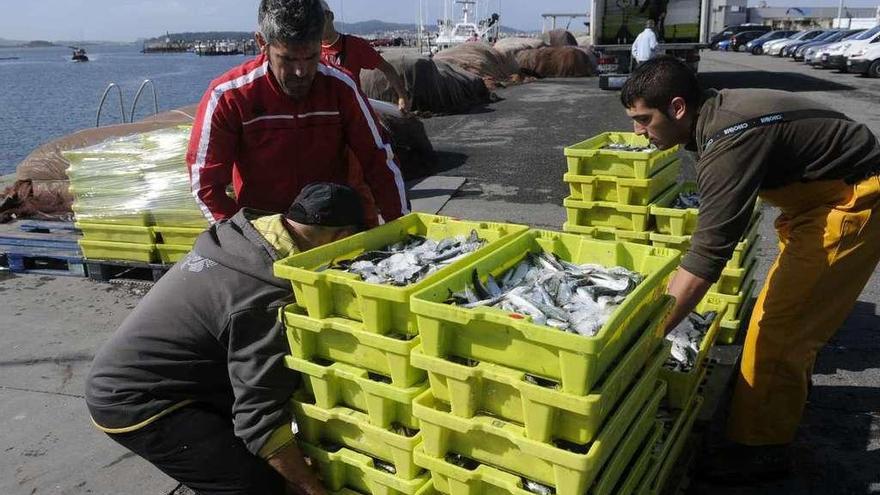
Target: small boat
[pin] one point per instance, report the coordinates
(79, 55)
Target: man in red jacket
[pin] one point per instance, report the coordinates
(285, 119)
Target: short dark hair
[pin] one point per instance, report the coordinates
(658, 81)
(291, 21)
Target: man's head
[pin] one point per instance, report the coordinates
(324, 212)
(290, 37)
(329, 28)
(649, 24)
(662, 96)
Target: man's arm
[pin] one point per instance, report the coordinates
(403, 101)
(291, 464)
(688, 290)
(366, 138)
(213, 147)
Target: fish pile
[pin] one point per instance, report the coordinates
(687, 200)
(686, 339)
(408, 261)
(553, 292)
(627, 147)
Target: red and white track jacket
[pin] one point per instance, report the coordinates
(248, 132)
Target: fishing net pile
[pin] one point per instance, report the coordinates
(553, 292)
(482, 60)
(435, 86)
(408, 261)
(512, 46)
(686, 339)
(556, 61)
(559, 37)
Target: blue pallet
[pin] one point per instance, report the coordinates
(43, 226)
(46, 248)
(47, 262)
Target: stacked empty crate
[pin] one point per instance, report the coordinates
(132, 198)
(352, 343)
(628, 195)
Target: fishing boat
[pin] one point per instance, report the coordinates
(79, 54)
(466, 28)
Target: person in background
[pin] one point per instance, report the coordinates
(355, 54)
(656, 10)
(822, 171)
(645, 45)
(286, 119)
(194, 379)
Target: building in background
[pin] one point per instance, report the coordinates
(734, 12)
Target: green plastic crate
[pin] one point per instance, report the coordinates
(732, 280)
(674, 221)
(383, 309)
(602, 214)
(182, 236)
(179, 217)
(138, 234)
(345, 341)
(545, 413)
(681, 384)
(730, 328)
(352, 429)
(118, 251)
(612, 234)
(626, 450)
(735, 302)
(108, 215)
(673, 445)
(172, 253)
(588, 157)
(627, 191)
(501, 444)
(487, 480)
(491, 335)
(340, 384)
(346, 468)
(683, 243)
(640, 464)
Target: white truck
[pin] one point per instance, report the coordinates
(682, 28)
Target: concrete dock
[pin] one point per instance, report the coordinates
(510, 152)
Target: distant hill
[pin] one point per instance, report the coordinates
(9, 43)
(38, 44)
(202, 35)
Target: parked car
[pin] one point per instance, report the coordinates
(800, 52)
(723, 45)
(789, 49)
(837, 59)
(815, 58)
(865, 61)
(770, 46)
(729, 31)
(756, 46)
(737, 42)
(777, 48)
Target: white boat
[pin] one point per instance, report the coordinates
(467, 28)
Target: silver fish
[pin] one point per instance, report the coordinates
(409, 261)
(537, 488)
(687, 200)
(686, 339)
(553, 292)
(627, 147)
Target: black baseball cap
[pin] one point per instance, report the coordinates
(327, 204)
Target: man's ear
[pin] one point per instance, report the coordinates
(678, 108)
(261, 42)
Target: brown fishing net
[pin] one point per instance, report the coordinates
(556, 61)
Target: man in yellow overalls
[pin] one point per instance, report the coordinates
(822, 170)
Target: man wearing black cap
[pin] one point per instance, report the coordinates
(194, 379)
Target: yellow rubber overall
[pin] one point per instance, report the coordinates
(829, 245)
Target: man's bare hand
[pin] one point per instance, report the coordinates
(301, 479)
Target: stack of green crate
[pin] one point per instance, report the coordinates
(132, 198)
(674, 229)
(352, 342)
(514, 406)
(668, 447)
(611, 190)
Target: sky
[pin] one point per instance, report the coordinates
(129, 20)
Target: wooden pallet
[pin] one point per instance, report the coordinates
(45, 248)
(108, 271)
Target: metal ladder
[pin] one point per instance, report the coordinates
(137, 97)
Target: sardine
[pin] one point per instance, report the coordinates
(628, 147)
(686, 339)
(687, 200)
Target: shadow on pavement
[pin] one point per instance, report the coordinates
(856, 346)
(449, 160)
(788, 81)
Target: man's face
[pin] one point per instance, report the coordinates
(662, 130)
(294, 66)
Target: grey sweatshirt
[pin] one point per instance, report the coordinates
(208, 332)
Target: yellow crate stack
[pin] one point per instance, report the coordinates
(352, 343)
(132, 198)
